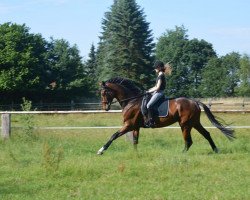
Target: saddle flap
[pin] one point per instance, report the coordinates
(160, 109)
(145, 100)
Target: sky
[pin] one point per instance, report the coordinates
(223, 23)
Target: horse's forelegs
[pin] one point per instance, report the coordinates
(113, 137)
(106, 146)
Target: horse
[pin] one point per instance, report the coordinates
(183, 110)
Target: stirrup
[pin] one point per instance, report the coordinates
(150, 124)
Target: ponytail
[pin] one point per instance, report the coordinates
(167, 69)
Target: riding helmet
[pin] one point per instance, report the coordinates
(158, 64)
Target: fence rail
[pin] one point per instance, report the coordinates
(55, 106)
(102, 111)
(212, 103)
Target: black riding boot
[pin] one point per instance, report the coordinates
(150, 123)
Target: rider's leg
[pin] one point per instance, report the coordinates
(156, 96)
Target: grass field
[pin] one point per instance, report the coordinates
(62, 164)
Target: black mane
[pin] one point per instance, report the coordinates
(126, 83)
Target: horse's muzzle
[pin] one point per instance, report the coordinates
(106, 106)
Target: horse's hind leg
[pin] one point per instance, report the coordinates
(186, 132)
(135, 138)
(206, 135)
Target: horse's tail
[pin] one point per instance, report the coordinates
(228, 132)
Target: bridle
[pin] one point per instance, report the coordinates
(109, 93)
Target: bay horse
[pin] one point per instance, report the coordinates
(182, 110)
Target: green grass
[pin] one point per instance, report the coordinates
(62, 164)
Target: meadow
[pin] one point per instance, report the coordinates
(62, 164)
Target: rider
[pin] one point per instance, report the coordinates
(157, 90)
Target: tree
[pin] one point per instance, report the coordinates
(90, 70)
(220, 76)
(126, 44)
(213, 79)
(187, 57)
(22, 59)
(66, 68)
(244, 76)
(231, 64)
(196, 54)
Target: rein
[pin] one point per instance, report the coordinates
(127, 99)
(135, 97)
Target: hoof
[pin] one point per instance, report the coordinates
(216, 150)
(100, 151)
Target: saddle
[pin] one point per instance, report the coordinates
(160, 108)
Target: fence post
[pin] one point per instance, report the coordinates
(129, 137)
(6, 124)
(72, 105)
(210, 103)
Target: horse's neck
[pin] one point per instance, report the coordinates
(121, 93)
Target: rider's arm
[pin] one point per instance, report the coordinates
(156, 87)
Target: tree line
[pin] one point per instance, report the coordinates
(53, 70)
(40, 70)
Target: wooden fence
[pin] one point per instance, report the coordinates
(6, 117)
(227, 103)
(215, 107)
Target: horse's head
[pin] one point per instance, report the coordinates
(107, 96)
